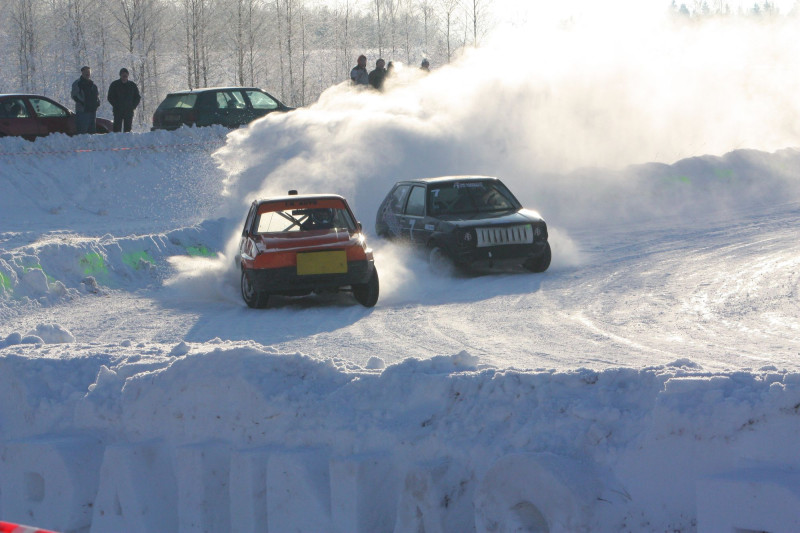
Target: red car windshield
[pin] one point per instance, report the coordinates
(304, 215)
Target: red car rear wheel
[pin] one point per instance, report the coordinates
(367, 293)
(252, 297)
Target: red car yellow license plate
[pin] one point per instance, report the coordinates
(322, 263)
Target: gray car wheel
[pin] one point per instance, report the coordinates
(439, 262)
(541, 263)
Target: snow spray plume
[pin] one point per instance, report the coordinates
(202, 279)
(584, 94)
(532, 107)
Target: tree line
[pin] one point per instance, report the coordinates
(721, 8)
(292, 48)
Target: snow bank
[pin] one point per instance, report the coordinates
(115, 183)
(232, 436)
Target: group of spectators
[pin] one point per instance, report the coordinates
(376, 77)
(123, 95)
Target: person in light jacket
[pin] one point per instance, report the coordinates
(87, 100)
(124, 97)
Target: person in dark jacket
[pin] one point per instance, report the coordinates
(377, 76)
(124, 97)
(358, 75)
(87, 100)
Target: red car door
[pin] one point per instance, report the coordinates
(16, 118)
(53, 117)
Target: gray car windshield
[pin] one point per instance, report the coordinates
(464, 197)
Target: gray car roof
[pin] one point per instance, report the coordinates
(451, 178)
(206, 89)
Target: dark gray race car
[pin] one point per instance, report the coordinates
(473, 223)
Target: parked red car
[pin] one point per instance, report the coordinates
(298, 244)
(10, 527)
(32, 115)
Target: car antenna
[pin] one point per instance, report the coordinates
(293, 192)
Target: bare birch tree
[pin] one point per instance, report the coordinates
(342, 14)
(428, 11)
(280, 46)
(391, 9)
(255, 27)
(99, 51)
(288, 13)
(239, 24)
(449, 17)
(478, 11)
(23, 30)
(77, 16)
(377, 5)
(408, 27)
(247, 21)
(292, 44)
(301, 98)
(196, 24)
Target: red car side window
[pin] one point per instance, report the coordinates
(13, 108)
(47, 109)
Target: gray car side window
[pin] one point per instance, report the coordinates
(230, 100)
(259, 100)
(398, 199)
(207, 100)
(416, 202)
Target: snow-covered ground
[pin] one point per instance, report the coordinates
(648, 381)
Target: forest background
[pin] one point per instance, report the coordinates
(294, 49)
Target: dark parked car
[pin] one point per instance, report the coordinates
(471, 222)
(33, 115)
(228, 106)
(294, 245)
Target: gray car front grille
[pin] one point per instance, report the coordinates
(522, 234)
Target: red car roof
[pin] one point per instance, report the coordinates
(298, 202)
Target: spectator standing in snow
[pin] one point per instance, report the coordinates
(425, 66)
(87, 100)
(377, 76)
(124, 97)
(358, 74)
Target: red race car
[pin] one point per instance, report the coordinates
(294, 245)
